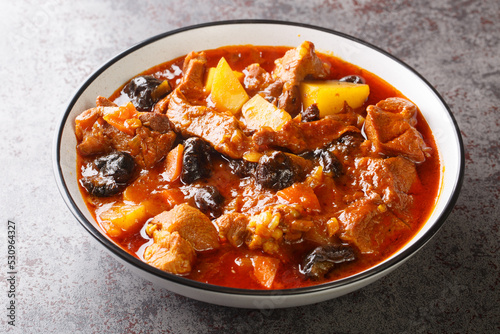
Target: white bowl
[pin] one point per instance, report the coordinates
(176, 43)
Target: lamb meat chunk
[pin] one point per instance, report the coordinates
(154, 146)
(390, 126)
(191, 224)
(307, 136)
(256, 79)
(90, 133)
(170, 252)
(151, 142)
(155, 122)
(233, 228)
(391, 179)
(191, 85)
(292, 69)
(102, 101)
(368, 226)
(221, 129)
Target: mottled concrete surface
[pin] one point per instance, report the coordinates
(67, 284)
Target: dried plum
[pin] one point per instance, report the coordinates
(353, 78)
(209, 200)
(275, 171)
(112, 173)
(331, 165)
(196, 162)
(310, 114)
(242, 168)
(322, 259)
(145, 91)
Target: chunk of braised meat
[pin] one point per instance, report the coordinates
(242, 168)
(233, 228)
(111, 173)
(310, 114)
(102, 101)
(170, 252)
(390, 178)
(209, 200)
(292, 69)
(256, 79)
(145, 144)
(196, 161)
(278, 171)
(353, 79)
(390, 125)
(323, 259)
(144, 91)
(156, 122)
(191, 224)
(307, 136)
(368, 224)
(189, 117)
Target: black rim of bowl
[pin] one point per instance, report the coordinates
(123, 255)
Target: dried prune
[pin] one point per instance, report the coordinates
(144, 91)
(331, 165)
(112, 173)
(345, 144)
(209, 200)
(322, 259)
(310, 114)
(353, 78)
(275, 171)
(242, 168)
(196, 161)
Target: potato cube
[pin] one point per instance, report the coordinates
(258, 113)
(330, 95)
(124, 217)
(209, 78)
(227, 92)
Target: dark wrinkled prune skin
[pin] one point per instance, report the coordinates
(242, 168)
(196, 161)
(139, 91)
(115, 170)
(275, 171)
(209, 200)
(321, 260)
(311, 113)
(331, 165)
(353, 78)
(345, 144)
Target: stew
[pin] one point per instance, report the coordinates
(258, 167)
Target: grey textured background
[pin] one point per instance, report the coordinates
(67, 284)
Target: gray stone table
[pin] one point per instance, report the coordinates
(66, 283)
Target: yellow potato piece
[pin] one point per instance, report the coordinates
(125, 216)
(330, 95)
(258, 113)
(227, 91)
(209, 78)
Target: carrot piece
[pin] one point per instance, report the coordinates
(173, 164)
(173, 196)
(265, 269)
(301, 194)
(123, 118)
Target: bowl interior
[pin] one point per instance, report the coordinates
(171, 45)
